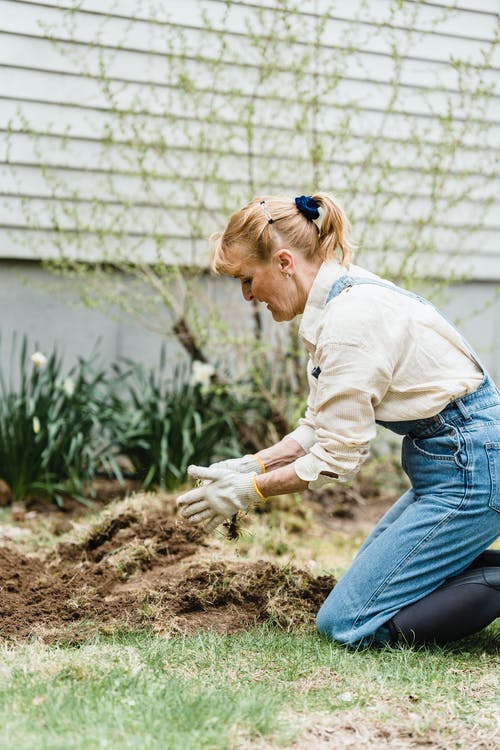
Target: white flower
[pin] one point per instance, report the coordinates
(69, 387)
(36, 425)
(39, 359)
(201, 373)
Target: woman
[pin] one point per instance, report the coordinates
(378, 355)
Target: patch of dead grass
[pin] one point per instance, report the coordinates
(354, 729)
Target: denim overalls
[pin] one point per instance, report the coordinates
(436, 529)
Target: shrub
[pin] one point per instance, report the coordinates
(50, 437)
(163, 424)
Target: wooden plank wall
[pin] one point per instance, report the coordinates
(131, 128)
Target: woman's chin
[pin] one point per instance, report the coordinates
(280, 316)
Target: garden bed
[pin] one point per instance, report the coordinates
(140, 566)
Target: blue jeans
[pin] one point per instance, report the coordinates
(435, 530)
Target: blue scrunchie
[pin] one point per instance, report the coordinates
(307, 206)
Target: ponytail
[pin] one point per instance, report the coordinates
(334, 231)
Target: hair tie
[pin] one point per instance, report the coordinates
(309, 208)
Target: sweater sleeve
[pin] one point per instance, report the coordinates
(355, 375)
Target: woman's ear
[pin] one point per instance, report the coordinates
(286, 261)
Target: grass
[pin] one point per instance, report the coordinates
(261, 688)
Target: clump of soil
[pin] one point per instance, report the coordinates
(139, 566)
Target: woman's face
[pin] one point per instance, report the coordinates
(271, 283)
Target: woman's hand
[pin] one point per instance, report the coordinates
(226, 493)
(247, 464)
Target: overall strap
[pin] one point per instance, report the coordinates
(348, 281)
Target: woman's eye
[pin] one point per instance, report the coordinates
(247, 281)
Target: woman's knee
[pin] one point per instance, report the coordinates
(336, 624)
(331, 624)
(324, 622)
(335, 628)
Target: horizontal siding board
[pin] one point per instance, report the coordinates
(85, 155)
(87, 246)
(158, 99)
(456, 264)
(486, 7)
(83, 122)
(192, 39)
(431, 10)
(168, 218)
(479, 266)
(130, 246)
(422, 16)
(109, 187)
(332, 124)
(19, 244)
(166, 221)
(24, 149)
(143, 67)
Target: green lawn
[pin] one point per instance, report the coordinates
(262, 688)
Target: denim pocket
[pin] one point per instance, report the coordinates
(444, 445)
(493, 454)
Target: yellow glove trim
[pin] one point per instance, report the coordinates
(262, 464)
(259, 493)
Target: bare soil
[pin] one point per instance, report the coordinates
(140, 566)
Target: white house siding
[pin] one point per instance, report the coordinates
(189, 125)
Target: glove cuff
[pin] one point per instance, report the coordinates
(245, 489)
(251, 463)
(256, 488)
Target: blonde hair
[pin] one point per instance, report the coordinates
(256, 238)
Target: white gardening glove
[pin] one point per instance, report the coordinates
(245, 465)
(226, 493)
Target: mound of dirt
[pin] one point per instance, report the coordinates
(139, 566)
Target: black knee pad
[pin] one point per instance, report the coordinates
(462, 606)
